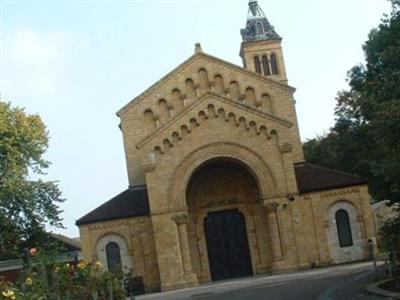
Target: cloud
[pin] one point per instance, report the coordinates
(35, 61)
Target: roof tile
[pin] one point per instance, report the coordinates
(312, 178)
(132, 202)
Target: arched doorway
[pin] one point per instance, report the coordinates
(222, 196)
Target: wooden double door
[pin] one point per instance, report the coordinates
(227, 245)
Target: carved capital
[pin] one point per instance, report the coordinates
(271, 207)
(285, 147)
(180, 218)
(150, 164)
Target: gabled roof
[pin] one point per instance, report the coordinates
(189, 61)
(132, 202)
(312, 178)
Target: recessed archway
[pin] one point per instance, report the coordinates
(241, 155)
(219, 195)
(221, 181)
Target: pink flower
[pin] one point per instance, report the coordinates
(33, 251)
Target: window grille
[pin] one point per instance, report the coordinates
(113, 257)
(343, 228)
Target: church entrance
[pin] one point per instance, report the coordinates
(227, 245)
(223, 204)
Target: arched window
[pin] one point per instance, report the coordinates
(113, 257)
(274, 64)
(257, 64)
(265, 64)
(343, 228)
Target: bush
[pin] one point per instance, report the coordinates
(44, 279)
(390, 237)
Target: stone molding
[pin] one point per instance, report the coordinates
(356, 250)
(271, 207)
(285, 147)
(339, 192)
(126, 259)
(253, 161)
(180, 219)
(117, 223)
(215, 99)
(148, 166)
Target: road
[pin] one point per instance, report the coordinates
(334, 283)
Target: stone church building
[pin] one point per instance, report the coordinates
(219, 187)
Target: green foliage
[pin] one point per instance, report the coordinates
(390, 238)
(365, 137)
(26, 205)
(44, 279)
(390, 234)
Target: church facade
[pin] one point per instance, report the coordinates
(219, 187)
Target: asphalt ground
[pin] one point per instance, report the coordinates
(346, 282)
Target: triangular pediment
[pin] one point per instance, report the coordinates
(202, 59)
(214, 104)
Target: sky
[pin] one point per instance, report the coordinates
(75, 63)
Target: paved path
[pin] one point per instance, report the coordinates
(341, 282)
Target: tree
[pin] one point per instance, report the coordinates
(366, 134)
(26, 205)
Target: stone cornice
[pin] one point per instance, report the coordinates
(217, 98)
(116, 223)
(285, 147)
(271, 207)
(180, 218)
(338, 192)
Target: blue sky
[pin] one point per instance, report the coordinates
(77, 62)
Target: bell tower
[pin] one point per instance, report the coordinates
(261, 49)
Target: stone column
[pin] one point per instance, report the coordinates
(181, 221)
(274, 230)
